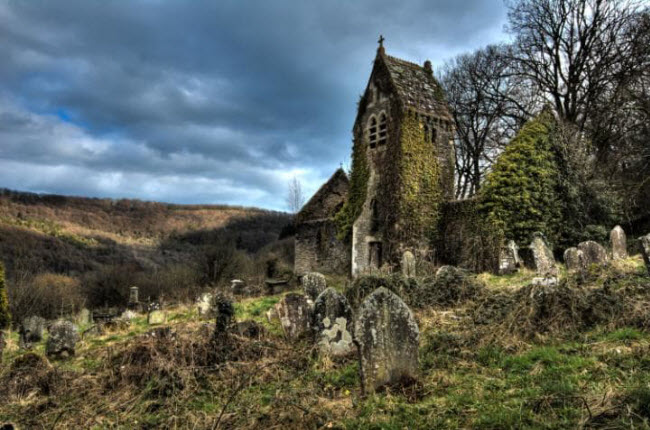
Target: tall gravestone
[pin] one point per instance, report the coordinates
(387, 337)
(645, 250)
(333, 323)
(594, 253)
(618, 241)
(295, 315)
(543, 256)
(408, 264)
(313, 284)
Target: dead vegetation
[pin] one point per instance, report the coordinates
(569, 356)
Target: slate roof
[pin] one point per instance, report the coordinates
(415, 86)
(327, 200)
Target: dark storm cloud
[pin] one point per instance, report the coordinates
(197, 101)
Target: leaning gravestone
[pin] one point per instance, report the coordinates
(593, 252)
(313, 284)
(408, 264)
(645, 250)
(387, 337)
(295, 314)
(575, 261)
(543, 256)
(618, 241)
(62, 340)
(333, 323)
(509, 259)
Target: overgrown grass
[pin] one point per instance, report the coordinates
(598, 377)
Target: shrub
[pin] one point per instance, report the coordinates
(48, 295)
(520, 193)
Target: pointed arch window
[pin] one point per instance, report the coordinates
(372, 132)
(383, 129)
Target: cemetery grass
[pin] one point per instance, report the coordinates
(590, 378)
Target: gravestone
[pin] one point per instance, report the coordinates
(645, 250)
(509, 260)
(575, 261)
(593, 252)
(333, 323)
(2, 343)
(545, 282)
(223, 309)
(155, 317)
(313, 284)
(31, 330)
(204, 304)
(237, 286)
(62, 339)
(295, 314)
(133, 295)
(387, 338)
(84, 317)
(128, 315)
(618, 241)
(543, 256)
(408, 264)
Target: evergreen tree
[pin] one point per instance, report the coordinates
(5, 316)
(520, 193)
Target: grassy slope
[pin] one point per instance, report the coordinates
(594, 378)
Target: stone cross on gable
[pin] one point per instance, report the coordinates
(381, 41)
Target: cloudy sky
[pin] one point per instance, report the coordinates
(202, 102)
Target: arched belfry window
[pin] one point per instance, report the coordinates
(372, 131)
(383, 129)
(430, 134)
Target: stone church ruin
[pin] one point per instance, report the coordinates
(401, 181)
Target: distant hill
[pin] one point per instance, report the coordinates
(73, 235)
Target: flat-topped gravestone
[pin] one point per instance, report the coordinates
(295, 314)
(62, 339)
(333, 323)
(408, 264)
(543, 256)
(313, 284)
(618, 241)
(645, 250)
(509, 260)
(387, 337)
(594, 253)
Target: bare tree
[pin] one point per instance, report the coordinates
(489, 103)
(295, 198)
(573, 50)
